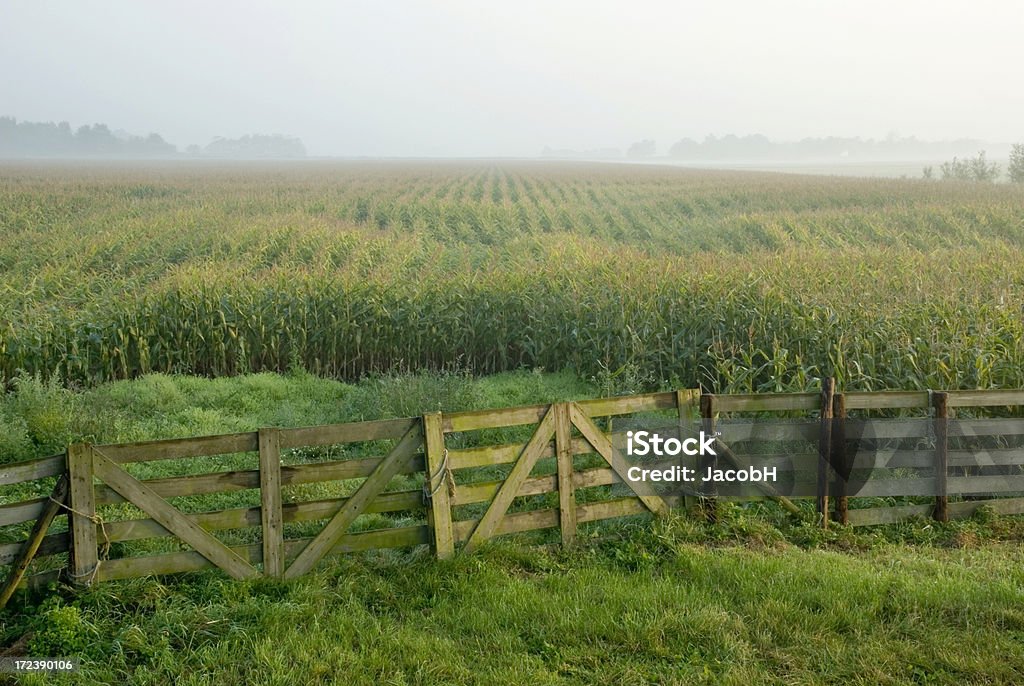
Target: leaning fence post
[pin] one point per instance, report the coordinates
(566, 485)
(435, 486)
(709, 504)
(84, 558)
(271, 517)
(35, 539)
(824, 449)
(839, 458)
(940, 402)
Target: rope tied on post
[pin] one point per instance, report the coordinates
(104, 551)
(444, 478)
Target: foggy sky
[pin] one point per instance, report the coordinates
(483, 78)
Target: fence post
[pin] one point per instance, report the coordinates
(709, 503)
(940, 401)
(270, 502)
(439, 514)
(684, 405)
(566, 485)
(84, 558)
(839, 457)
(824, 449)
(35, 538)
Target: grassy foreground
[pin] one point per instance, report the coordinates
(650, 605)
(754, 599)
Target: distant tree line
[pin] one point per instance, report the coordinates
(1017, 163)
(39, 139)
(255, 146)
(20, 139)
(758, 147)
(978, 168)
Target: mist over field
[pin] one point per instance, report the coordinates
(303, 305)
(515, 79)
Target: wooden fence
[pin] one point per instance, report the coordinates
(448, 480)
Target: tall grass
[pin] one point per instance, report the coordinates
(740, 282)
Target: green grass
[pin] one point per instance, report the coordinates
(758, 605)
(39, 418)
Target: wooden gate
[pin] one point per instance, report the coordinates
(553, 437)
(399, 458)
(90, 536)
(87, 462)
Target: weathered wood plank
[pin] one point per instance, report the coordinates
(969, 485)
(34, 541)
(742, 431)
(486, 456)
(882, 400)
(438, 464)
(995, 398)
(54, 544)
(649, 402)
(896, 428)
(519, 473)
(179, 448)
(785, 462)
(604, 446)
(883, 488)
(1004, 506)
(317, 472)
(925, 486)
(493, 419)
(226, 482)
(531, 414)
(271, 519)
(708, 423)
(193, 484)
(24, 511)
(940, 403)
(825, 450)
(511, 523)
(566, 483)
(171, 519)
(687, 409)
(175, 563)
(599, 476)
(983, 458)
(987, 427)
(840, 460)
(356, 504)
(485, 491)
(29, 470)
(921, 459)
(353, 432)
(767, 402)
(81, 497)
(240, 518)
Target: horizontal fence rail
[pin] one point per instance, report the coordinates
(456, 480)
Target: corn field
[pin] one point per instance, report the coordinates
(733, 281)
